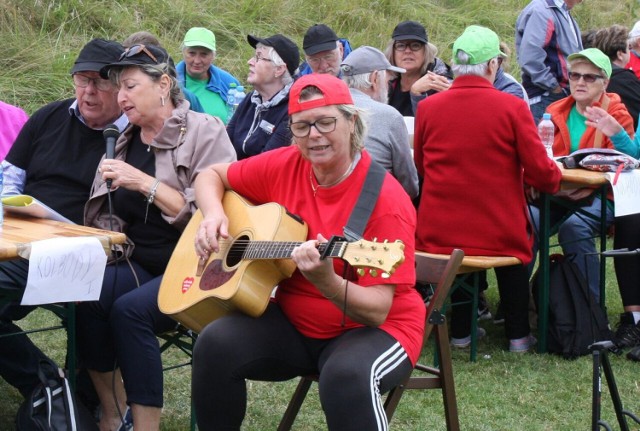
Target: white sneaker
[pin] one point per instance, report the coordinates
(461, 343)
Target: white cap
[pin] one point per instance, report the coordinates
(635, 31)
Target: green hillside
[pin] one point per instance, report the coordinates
(42, 37)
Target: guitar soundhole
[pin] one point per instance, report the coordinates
(236, 252)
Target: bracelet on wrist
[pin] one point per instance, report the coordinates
(337, 291)
(152, 192)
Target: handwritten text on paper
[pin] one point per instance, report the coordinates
(65, 270)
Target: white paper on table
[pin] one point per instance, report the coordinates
(65, 270)
(626, 192)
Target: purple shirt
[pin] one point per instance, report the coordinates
(11, 120)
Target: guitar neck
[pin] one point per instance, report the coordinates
(283, 249)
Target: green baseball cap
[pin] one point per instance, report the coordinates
(480, 43)
(200, 36)
(598, 58)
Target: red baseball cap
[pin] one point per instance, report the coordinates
(334, 91)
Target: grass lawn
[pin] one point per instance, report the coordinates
(501, 391)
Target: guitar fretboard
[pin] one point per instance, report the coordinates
(283, 250)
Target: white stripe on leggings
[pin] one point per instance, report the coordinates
(386, 363)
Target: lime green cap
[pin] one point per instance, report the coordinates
(598, 58)
(200, 36)
(480, 43)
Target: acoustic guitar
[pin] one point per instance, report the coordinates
(256, 257)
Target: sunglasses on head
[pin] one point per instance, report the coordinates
(137, 49)
(589, 78)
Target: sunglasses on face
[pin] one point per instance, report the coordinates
(413, 46)
(83, 81)
(301, 129)
(137, 49)
(589, 78)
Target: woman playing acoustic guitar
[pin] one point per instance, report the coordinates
(362, 334)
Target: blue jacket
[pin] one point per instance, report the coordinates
(218, 83)
(194, 102)
(259, 126)
(545, 37)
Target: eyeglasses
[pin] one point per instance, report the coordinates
(301, 129)
(83, 81)
(589, 78)
(327, 58)
(135, 50)
(258, 57)
(413, 46)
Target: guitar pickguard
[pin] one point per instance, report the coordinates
(215, 275)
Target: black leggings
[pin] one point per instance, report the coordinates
(627, 235)
(355, 368)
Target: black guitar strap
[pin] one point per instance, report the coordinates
(366, 201)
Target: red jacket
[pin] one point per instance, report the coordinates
(560, 113)
(475, 147)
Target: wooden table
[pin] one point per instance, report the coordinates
(571, 179)
(17, 234)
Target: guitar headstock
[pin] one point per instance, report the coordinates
(384, 256)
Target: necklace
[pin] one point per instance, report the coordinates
(145, 140)
(340, 179)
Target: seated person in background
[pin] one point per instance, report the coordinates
(426, 74)
(634, 49)
(504, 81)
(12, 119)
(54, 159)
(466, 205)
(146, 38)
(613, 42)
(626, 235)
(361, 334)
(157, 159)
(589, 73)
(365, 72)
(260, 122)
(323, 51)
(196, 72)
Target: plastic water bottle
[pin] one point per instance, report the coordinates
(239, 97)
(546, 130)
(231, 98)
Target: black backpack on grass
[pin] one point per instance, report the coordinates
(575, 319)
(52, 405)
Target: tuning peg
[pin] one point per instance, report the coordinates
(373, 272)
(360, 272)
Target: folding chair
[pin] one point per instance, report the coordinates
(67, 314)
(431, 270)
(183, 339)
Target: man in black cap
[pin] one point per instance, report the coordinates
(323, 51)
(54, 159)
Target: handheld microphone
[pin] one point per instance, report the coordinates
(110, 133)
